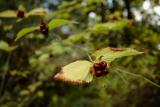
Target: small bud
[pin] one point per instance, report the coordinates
(100, 58)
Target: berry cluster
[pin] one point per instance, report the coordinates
(20, 14)
(44, 29)
(100, 68)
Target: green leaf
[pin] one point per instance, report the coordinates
(36, 11)
(24, 92)
(34, 86)
(40, 93)
(8, 14)
(109, 26)
(75, 38)
(110, 54)
(25, 31)
(4, 46)
(59, 22)
(76, 72)
(94, 1)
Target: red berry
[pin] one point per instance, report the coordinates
(105, 72)
(20, 14)
(100, 66)
(96, 66)
(44, 29)
(100, 69)
(51, 55)
(98, 73)
(103, 64)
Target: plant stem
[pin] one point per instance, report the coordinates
(6, 66)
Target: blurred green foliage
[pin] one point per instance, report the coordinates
(27, 66)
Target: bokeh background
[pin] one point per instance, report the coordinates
(26, 73)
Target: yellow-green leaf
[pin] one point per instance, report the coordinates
(110, 54)
(7, 27)
(36, 11)
(76, 72)
(25, 31)
(94, 1)
(59, 22)
(5, 46)
(8, 14)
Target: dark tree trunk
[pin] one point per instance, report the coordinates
(114, 6)
(128, 7)
(103, 12)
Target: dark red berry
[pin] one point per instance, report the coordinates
(96, 66)
(100, 68)
(98, 73)
(42, 26)
(105, 72)
(103, 64)
(20, 14)
(51, 55)
(44, 29)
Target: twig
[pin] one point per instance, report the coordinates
(122, 77)
(140, 76)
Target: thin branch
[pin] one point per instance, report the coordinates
(140, 76)
(122, 77)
